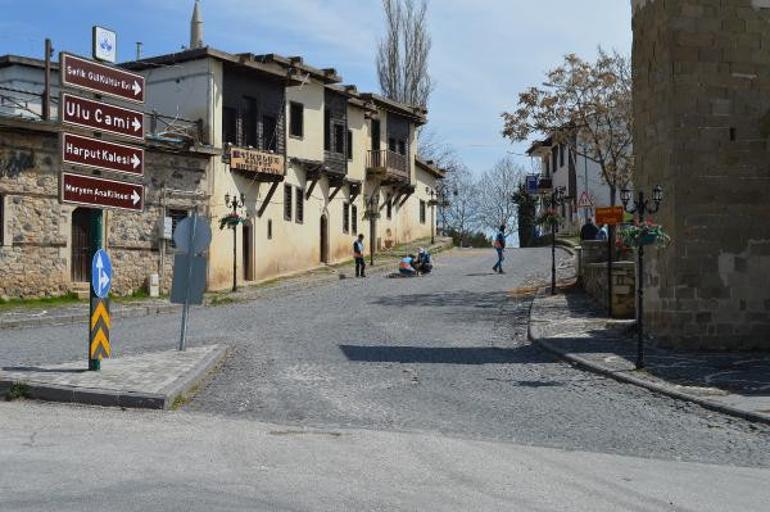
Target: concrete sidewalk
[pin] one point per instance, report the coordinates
(571, 326)
(149, 381)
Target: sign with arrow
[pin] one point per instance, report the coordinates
(102, 117)
(100, 154)
(99, 192)
(100, 78)
(99, 338)
(101, 274)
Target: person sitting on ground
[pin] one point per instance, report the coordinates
(406, 266)
(424, 263)
(589, 230)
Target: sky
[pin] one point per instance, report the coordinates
(484, 51)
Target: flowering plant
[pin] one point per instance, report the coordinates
(644, 233)
(549, 218)
(230, 220)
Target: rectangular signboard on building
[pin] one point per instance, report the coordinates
(101, 193)
(99, 116)
(100, 154)
(259, 162)
(100, 78)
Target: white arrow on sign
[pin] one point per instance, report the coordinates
(104, 279)
(137, 124)
(135, 197)
(135, 161)
(136, 88)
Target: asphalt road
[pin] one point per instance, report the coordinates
(445, 354)
(76, 459)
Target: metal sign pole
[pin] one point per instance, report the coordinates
(97, 226)
(186, 307)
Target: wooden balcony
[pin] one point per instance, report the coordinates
(388, 164)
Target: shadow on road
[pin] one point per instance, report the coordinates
(446, 355)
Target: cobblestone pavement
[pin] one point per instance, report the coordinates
(444, 354)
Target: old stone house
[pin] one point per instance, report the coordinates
(45, 245)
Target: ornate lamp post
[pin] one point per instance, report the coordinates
(235, 203)
(642, 207)
(553, 201)
(432, 203)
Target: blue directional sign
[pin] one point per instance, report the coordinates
(532, 184)
(101, 274)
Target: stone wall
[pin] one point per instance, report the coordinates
(702, 120)
(594, 281)
(36, 254)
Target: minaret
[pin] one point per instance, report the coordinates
(196, 28)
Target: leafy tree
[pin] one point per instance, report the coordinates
(586, 105)
(527, 212)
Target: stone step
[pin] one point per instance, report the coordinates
(82, 290)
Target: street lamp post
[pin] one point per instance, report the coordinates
(556, 199)
(235, 203)
(641, 207)
(432, 204)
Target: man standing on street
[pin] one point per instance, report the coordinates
(589, 230)
(358, 254)
(500, 247)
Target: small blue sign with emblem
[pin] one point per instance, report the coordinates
(101, 274)
(532, 184)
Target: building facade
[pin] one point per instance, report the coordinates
(310, 162)
(701, 103)
(561, 166)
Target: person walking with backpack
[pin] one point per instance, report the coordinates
(500, 248)
(358, 255)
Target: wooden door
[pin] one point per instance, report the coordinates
(248, 254)
(81, 245)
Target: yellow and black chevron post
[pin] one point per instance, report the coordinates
(99, 341)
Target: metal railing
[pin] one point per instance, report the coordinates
(392, 162)
(24, 104)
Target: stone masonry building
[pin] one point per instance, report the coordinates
(702, 121)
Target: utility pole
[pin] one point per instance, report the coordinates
(47, 81)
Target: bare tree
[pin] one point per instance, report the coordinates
(497, 189)
(402, 55)
(586, 105)
(461, 215)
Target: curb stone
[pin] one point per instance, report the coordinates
(117, 398)
(534, 335)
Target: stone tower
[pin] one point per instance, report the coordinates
(196, 27)
(702, 121)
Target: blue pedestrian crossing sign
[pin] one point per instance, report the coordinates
(101, 274)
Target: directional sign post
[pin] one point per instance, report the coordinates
(192, 237)
(99, 154)
(100, 78)
(99, 192)
(102, 117)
